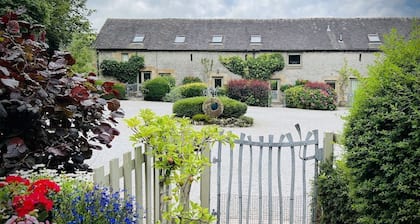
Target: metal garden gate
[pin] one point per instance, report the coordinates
(266, 180)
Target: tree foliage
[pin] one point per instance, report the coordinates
(83, 53)
(382, 135)
(47, 114)
(125, 72)
(61, 18)
(261, 67)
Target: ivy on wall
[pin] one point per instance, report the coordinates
(261, 67)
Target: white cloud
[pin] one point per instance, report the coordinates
(249, 9)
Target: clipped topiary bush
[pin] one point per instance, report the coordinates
(191, 106)
(190, 79)
(316, 96)
(193, 89)
(232, 108)
(251, 92)
(155, 89)
(382, 135)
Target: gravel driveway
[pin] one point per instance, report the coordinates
(274, 120)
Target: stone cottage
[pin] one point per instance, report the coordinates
(314, 49)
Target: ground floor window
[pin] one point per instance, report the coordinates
(218, 82)
(331, 83)
(144, 76)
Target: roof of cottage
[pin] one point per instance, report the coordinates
(312, 34)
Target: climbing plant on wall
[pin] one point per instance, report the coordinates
(261, 67)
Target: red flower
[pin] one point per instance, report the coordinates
(17, 179)
(79, 93)
(23, 205)
(43, 185)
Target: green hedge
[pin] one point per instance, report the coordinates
(308, 98)
(193, 89)
(191, 106)
(155, 89)
(382, 136)
(334, 199)
(190, 79)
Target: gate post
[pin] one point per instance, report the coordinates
(328, 147)
(205, 183)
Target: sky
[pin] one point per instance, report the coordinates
(250, 9)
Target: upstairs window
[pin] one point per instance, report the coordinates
(255, 39)
(179, 39)
(374, 38)
(294, 59)
(138, 38)
(217, 39)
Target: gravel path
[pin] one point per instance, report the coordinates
(274, 120)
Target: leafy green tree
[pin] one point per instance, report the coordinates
(81, 49)
(261, 67)
(382, 135)
(61, 18)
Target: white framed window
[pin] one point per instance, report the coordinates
(138, 38)
(179, 39)
(255, 39)
(217, 39)
(374, 38)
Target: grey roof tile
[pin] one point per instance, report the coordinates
(276, 34)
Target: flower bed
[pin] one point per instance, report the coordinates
(46, 198)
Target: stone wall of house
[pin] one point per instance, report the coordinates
(315, 66)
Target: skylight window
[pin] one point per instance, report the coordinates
(255, 39)
(217, 39)
(139, 38)
(374, 37)
(179, 39)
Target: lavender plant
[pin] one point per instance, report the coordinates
(94, 204)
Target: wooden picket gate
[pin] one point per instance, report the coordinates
(138, 177)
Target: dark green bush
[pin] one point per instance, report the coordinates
(171, 80)
(191, 106)
(188, 107)
(155, 89)
(190, 79)
(310, 98)
(382, 136)
(334, 195)
(232, 108)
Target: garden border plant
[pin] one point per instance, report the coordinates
(177, 148)
(48, 115)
